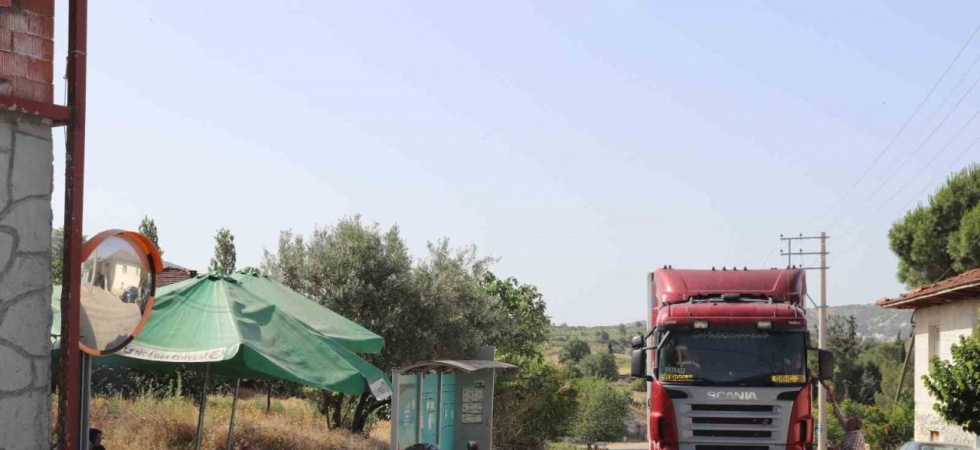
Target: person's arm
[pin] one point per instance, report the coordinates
(833, 401)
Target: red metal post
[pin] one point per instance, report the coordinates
(69, 401)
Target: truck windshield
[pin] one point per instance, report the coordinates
(736, 358)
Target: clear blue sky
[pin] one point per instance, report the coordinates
(583, 143)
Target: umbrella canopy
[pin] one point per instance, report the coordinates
(324, 321)
(215, 319)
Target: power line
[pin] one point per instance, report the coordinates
(909, 158)
(907, 122)
(922, 169)
(768, 256)
(951, 166)
(916, 198)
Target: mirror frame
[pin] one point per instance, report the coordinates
(150, 254)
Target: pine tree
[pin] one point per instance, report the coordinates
(148, 228)
(224, 252)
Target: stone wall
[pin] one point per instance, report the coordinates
(926, 424)
(950, 321)
(26, 172)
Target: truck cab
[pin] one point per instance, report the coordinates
(725, 360)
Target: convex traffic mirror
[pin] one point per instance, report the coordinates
(117, 286)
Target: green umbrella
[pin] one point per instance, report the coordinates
(215, 319)
(326, 322)
(217, 322)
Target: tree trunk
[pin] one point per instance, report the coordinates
(360, 426)
(326, 408)
(338, 410)
(360, 419)
(268, 398)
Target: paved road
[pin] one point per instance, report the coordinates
(629, 446)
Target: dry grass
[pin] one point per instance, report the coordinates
(150, 424)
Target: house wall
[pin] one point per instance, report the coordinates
(26, 173)
(125, 276)
(953, 320)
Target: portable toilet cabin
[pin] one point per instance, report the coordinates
(448, 403)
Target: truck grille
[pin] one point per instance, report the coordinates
(725, 425)
(733, 433)
(731, 447)
(732, 420)
(746, 408)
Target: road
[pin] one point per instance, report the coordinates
(628, 446)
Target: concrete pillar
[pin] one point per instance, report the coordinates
(26, 173)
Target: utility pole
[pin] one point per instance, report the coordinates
(821, 316)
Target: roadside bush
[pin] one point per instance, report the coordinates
(638, 385)
(532, 406)
(599, 365)
(602, 411)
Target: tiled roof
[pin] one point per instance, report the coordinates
(174, 275)
(963, 286)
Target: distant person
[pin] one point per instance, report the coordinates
(95, 439)
(853, 439)
(794, 365)
(687, 358)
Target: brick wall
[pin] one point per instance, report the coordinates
(27, 49)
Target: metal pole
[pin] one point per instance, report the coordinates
(68, 400)
(439, 412)
(418, 409)
(905, 367)
(234, 403)
(822, 323)
(85, 401)
(204, 403)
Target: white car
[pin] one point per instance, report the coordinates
(933, 446)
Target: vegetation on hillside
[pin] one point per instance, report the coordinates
(866, 380)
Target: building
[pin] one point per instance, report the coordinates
(26, 181)
(173, 273)
(943, 311)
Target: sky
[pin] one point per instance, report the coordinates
(583, 144)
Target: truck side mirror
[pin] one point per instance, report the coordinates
(636, 342)
(638, 364)
(826, 363)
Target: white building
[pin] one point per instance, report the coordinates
(944, 311)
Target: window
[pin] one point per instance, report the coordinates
(933, 434)
(933, 343)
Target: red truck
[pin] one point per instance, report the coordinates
(725, 360)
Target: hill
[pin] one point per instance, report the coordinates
(873, 323)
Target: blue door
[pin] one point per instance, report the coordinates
(448, 422)
(430, 408)
(406, 419)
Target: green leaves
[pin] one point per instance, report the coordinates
(224, 253)
(599, 365)
(941, 239)
(521, 310)
(148, 228)
(955, 384)
(532, 405)
(574, 351)
(602, 411)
